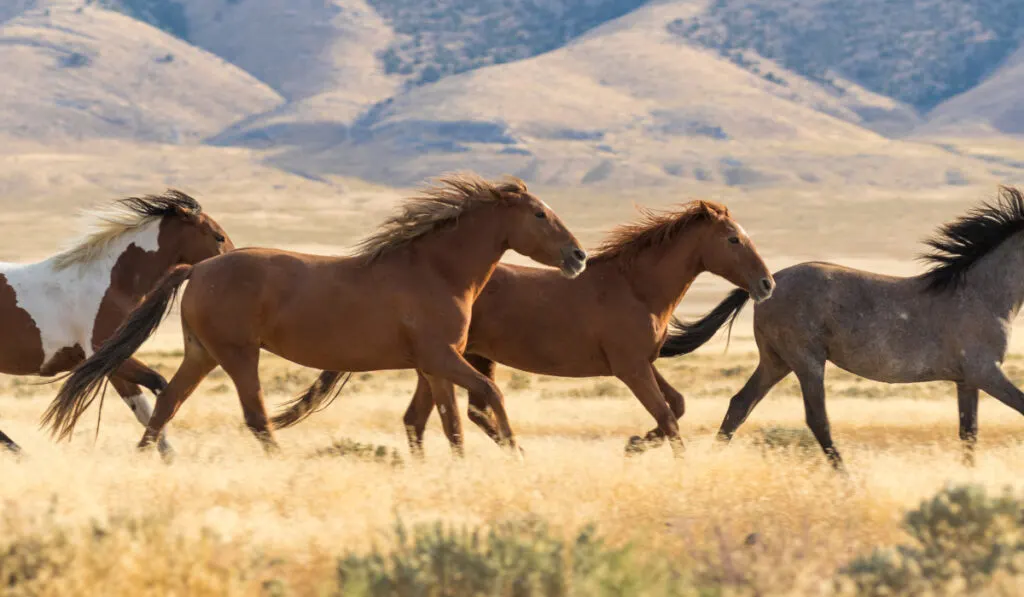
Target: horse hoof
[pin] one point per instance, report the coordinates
(168, 455)
(635, 446)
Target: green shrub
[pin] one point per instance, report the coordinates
(962, 539)
(516, 559)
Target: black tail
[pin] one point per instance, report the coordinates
(87, 380)
(317, 397)
(684, 337)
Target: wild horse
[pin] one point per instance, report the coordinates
(402, 302)
(951, 323)
(53, 313)
(620, 310)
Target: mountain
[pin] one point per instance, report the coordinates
(564, 92)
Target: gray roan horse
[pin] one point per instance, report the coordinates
(951, 323)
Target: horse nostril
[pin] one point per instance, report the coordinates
(579, 254)
(766, 284)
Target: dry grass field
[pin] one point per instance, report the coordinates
(224, 519)
(94, 517)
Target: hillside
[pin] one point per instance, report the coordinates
(85, 73)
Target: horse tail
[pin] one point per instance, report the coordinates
(317, 397)
(88, 379)
(686, 337)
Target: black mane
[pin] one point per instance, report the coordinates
(172, 202)
(961, 243)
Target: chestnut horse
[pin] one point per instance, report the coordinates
(621, 309)
(404, 301)
(53, 313)
(951, 323)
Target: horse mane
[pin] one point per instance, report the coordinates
(125, 216)
(960, 244)
(436, 207)
(655, 228)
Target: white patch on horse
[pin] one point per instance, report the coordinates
(144, 412)
(64, 303)
(904, 316)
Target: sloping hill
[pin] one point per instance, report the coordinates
(86, 72)
(300, 49)
(993, 107)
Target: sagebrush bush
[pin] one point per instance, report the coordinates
(963, 539)
(514, 559)
(369, 452)
(142, 553)
(786, 438)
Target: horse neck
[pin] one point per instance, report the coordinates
(467, 253)
(661, 275)
(135, 261)
(999, 277)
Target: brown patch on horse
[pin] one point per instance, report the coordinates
(127, 216)
(66, 359)
(654, 228)
(435, 207)
(133, 275)
(25, 355)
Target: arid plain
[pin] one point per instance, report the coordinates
(225, 519)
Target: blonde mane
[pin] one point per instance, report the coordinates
(124, 217)
(435, 207)
(655, 228)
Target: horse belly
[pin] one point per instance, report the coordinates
(41, 330)
(890, 361)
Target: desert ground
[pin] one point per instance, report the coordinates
(764, 516)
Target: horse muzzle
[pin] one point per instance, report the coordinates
(763, 289)
(574, 261)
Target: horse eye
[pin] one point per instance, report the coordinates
(734, 240)
(540, 215)
(218, 237)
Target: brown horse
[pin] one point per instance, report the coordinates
(55, 312)
(621, 307)
(404, 301)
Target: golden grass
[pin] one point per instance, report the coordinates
(223, 519)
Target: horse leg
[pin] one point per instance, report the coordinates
(478, 410)
(451, 366)
(131, 394)
(196, 365)
(136, 372)
(812, 386)
(242, 366)
(967, 402)
(443, 394)
(655, 437)
(642, 381)
(417, 414)
(769, 372)
(8, 444)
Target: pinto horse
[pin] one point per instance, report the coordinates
(53, 313)
(621, 307)
(403, 301)
(951, 323)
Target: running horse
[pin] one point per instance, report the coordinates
(951, 323)
(621, 310)
(55, 312)
(403, 301)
